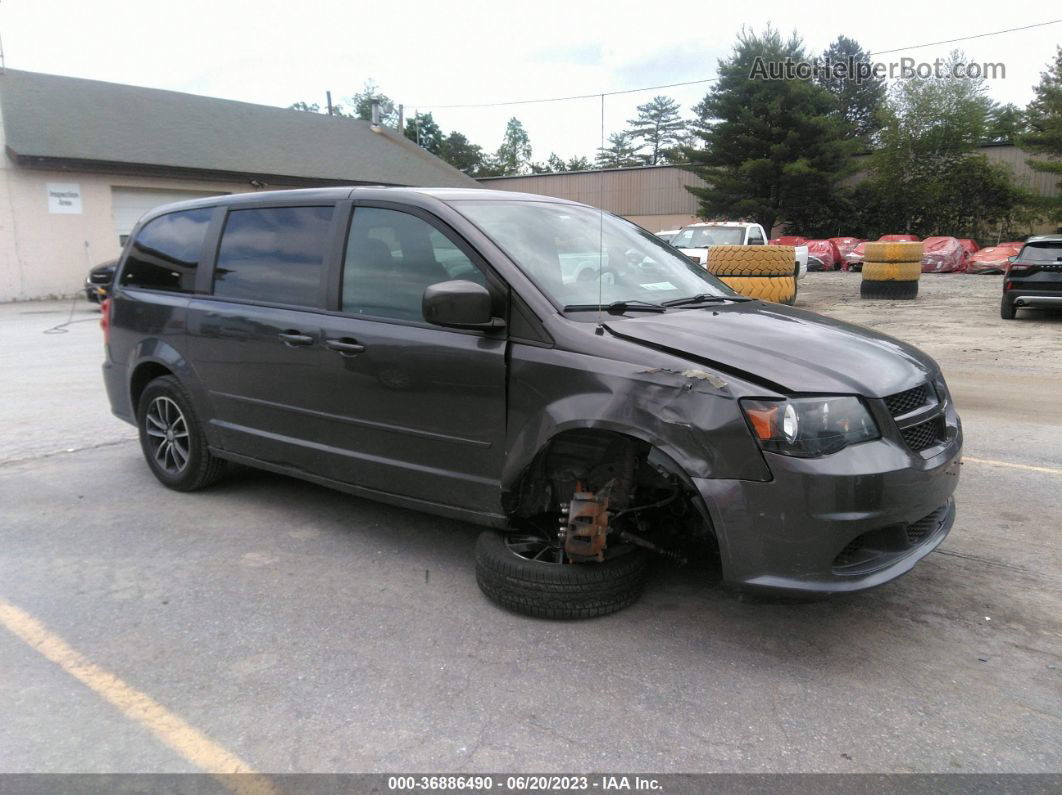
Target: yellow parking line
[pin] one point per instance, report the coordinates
(1027, 467)
(183, 738)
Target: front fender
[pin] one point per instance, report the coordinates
(690, 416)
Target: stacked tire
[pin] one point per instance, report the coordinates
(765, 272)
(891, 270)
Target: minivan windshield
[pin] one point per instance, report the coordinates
(704, 236)
(567, 249)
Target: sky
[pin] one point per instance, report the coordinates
(427, 55)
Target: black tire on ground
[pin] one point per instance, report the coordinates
(199, 468)
(1007, 310)
(551, 590)
(894, 291)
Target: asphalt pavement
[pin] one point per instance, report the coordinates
(295, 629)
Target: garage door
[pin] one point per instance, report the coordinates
(128, 204)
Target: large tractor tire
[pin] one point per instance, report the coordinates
(889, 291)
(891, 271)
(751, 260)
(892, 251)
(779, 289)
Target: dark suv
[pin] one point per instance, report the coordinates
(1033, 278)
(436, 349)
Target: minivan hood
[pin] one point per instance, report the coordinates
(791, 349)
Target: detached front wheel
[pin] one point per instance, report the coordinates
(521, 572)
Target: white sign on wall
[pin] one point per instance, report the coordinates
(64, 197)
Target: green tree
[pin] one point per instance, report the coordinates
(859, 96)
(658, 127)
(309, 107)
(927, 176)
(460, 153)
(362, 104)
(620, 153)
(1006, 123)
(514, 154)
(773, 147)
(578, 164)
(423, 130)
(1044, 136)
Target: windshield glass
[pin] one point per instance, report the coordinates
(704, 236)
(559, 247)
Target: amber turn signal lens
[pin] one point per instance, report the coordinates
(764, 421)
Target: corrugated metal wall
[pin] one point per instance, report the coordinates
(650, 190)
(1039, 182)
(659, 190)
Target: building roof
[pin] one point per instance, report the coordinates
(51, 120)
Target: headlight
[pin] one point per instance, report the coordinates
(810, 426)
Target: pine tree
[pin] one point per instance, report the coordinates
(774, 149)
(859, 97)
(1044, 119)
(659, 127)
(620, 153)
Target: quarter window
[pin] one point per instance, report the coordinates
(273, 254)
(392, 257)
(165, 253)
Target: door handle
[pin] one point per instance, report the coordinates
(294, 339)
(345, 346)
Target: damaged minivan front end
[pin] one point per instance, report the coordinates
(818, 456)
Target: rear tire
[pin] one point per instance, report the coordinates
(557, 590)
(172, 439)
(1007, 310)
(891, 291)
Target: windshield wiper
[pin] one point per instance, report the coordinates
(618, 307)
(705, 298)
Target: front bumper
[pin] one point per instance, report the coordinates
(845, 522)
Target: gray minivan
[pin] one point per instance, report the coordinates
(426, 348)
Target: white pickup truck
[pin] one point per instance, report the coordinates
(695, 240)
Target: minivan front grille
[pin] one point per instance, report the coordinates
(925, 434)
(907, 401)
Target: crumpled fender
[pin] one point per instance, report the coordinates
(689, 414)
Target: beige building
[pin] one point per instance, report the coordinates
(655, 197)
(83, 160)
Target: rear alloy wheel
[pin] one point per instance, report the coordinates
(528, 574)
(1007, 310)
(171, 439)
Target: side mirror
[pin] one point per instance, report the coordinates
(459, 304)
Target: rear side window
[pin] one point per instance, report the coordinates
(165, 254)
(755, 238)
(273, 254)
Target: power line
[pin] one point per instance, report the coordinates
(596, 95)
(968, 38)
(599, 94)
